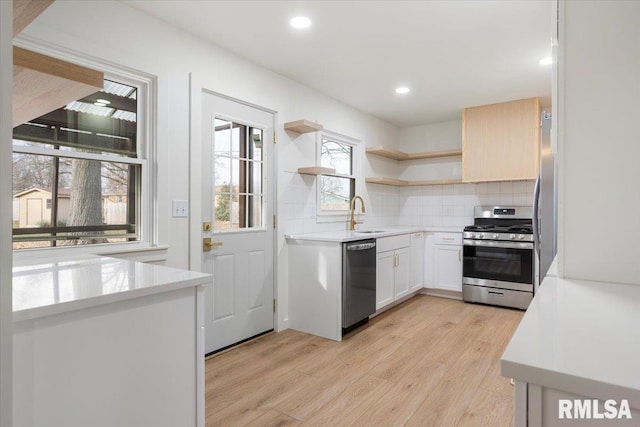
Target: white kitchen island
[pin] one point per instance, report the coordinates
(578, 340)
(108, 342)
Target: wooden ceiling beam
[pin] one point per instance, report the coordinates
(25, 11)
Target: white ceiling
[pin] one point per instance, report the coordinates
(452, 54)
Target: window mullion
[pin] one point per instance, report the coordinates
(76, 154)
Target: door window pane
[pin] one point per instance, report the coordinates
(222, 136)
(238, 176)
(222, 208)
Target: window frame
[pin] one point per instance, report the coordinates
(146, 156)
(336, 215)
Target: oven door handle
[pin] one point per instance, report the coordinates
(498, 244)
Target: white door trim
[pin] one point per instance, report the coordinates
(196, 88)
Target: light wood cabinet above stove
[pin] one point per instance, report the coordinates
(501, 142)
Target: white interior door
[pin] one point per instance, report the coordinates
(237, 199)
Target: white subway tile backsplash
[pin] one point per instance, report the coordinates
(493, 188)
(506, 187)
(387, 206)
(481, 189)
(452, 205)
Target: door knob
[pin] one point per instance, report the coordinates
(207, 244)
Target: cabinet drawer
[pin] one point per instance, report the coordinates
(448, 239)
(391, 243)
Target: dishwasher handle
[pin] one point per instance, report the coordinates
(361, 246)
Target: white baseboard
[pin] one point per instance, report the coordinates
(442, 293)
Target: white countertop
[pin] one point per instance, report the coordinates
(444, 229)
(57, 287)
(582, 337)
(349, 236)
(553, 268)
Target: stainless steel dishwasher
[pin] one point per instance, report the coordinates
(358, 283)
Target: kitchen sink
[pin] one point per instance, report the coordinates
(370, 231)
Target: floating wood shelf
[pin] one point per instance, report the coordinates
(42, 84)
(302, 126)
(317, 170)
(402, 183)
(436, 182)
(401, 155)
(25, 11)
(386, 181)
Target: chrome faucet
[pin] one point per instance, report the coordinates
(352, 221)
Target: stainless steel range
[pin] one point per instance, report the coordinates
(498, 257)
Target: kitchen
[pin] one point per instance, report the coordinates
(386, 205)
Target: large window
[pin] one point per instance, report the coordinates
(336, 191)
(77, 172)
(238, 166)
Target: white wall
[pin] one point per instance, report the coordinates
(599, 141)
(452, 204)
(431, 137)
(135, 40)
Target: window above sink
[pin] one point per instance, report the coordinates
(335, 191)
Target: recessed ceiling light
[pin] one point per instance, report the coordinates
(103, 101)
(300, 22)
(546, 61)
(402, 90)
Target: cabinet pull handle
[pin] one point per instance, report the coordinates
(460, 255)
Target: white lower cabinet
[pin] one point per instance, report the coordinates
(401, 276)
(443, 261)
(416, 264)
(392, 269)
(385, 278)
(448, 271)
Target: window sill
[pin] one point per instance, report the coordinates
(141, 252)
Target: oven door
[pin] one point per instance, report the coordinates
(507, 265)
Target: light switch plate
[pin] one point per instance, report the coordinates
(180, 208)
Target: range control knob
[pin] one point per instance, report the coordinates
(480, 236)
(512, 236)
(495, 236)
(521, 236)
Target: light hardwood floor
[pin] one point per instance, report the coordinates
(428, 362)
